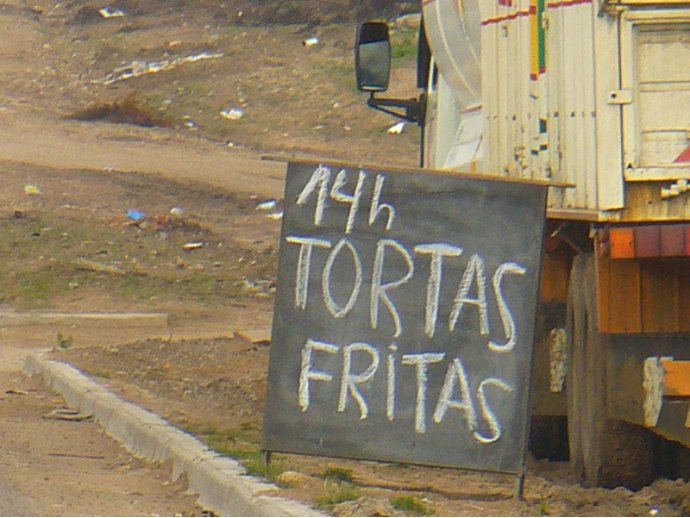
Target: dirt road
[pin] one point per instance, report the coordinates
(96, 147)
(54, 467)
(73, 248)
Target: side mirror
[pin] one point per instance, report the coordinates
(373, 57)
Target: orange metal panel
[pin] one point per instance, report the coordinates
(676, 378)
(622, 241)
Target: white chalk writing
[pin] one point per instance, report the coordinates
(350, 381)
(506, 316)
(307, 244)
(433, 291)
(421, 362)
(379, 290)
(354, 199)
(339, 312)
(306, 372)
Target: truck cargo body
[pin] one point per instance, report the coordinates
(592, 96)
(595, 99)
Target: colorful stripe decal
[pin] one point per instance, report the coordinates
(567, 3)
(499, 19)
(537, 9)
(523, 13)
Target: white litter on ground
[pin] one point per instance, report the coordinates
(396, 129)
(109, 12)
(267, 205)
(139, 68)
(232, 114)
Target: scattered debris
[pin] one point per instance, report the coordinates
(310, 42)
(396, 129)
(93, 266)
(276, 216)
(135, 215)
(232, 114)
(67, 414)
(192, 246)
(77, 456)
(139, 68)
(267, 205)
(109, 12)
(261, 286)
(16, 392)
(32, 190)
(176, 212)
(254, 336)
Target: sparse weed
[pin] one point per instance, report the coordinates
(336, 493)
(64, 342)
(337, 473)
(130, 110)
(410, 504)
(256, 465)
(403, 46)
(243, 445)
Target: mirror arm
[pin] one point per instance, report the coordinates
(414, 108)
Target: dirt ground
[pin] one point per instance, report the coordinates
(88, 476)
(88, 239)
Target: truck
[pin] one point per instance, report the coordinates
(593, 97)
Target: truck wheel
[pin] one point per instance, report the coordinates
(603, 452)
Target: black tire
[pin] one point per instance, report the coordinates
(548, 437)
(603, 452)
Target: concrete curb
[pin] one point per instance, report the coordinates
(219, 481)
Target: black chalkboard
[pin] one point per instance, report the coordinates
(404, 317)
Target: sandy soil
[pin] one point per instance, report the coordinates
(54, 467)
(202, 252)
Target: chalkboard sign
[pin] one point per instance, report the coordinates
(404, 317)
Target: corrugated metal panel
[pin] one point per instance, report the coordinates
(609, 167)
(539, 97)
(576, 108)
(561, 102)
(491, 81)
